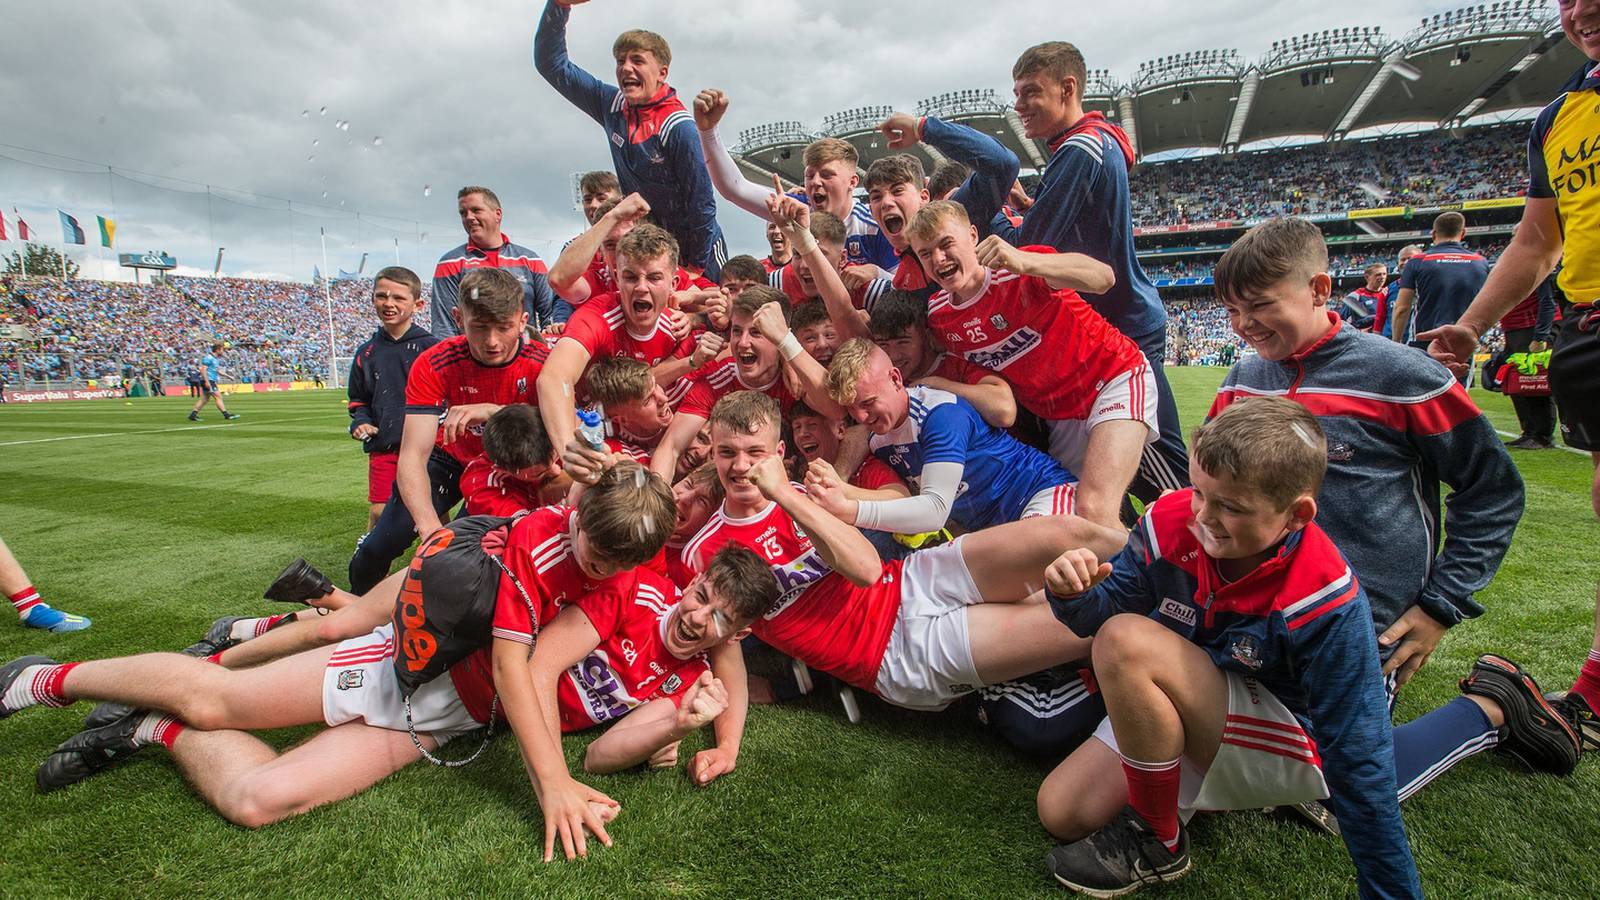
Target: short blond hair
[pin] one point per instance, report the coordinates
(640, 39)
(619, 379)
(827, 228)
(646, 242)
(849, 363)
(830, 149)
(931, 217)
(745, 412)
(628, 515)
(1271, 445)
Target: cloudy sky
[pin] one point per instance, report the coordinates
(213, 94)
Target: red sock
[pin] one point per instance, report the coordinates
(55, 684)
(167, 732)
(1589, 680)
(274, 621)
(215, 658)
(24, 600)
(158, 728)
(1153, 794)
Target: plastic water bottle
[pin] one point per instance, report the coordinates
(591, 427)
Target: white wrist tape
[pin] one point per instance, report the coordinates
(790, 346)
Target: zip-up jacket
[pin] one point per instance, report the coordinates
(1082, 206)
(525, 265)
(1298, 624)
(1398, 425)
(655, 147)
(378, 385)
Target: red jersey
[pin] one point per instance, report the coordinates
(538, 551)
(1054, 350)
(874, 474)
(720, 377)
(631, 665)
(863, 297)
(953, 368)
(769, 265)
(908, 276)
(602, 281)
(600, 326)
(446, 375)
(820, 618)
(491, 491)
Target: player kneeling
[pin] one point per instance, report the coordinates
(360, 688)
(1235, 653)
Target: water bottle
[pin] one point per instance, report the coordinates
(591, 427)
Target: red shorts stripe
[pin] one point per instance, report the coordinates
(1308, 759)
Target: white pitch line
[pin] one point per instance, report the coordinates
(1512, 434)
(79, 437)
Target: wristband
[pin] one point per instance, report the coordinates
(790, 346)
(804, 241)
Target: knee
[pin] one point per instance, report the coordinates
(1124, 644)
(256, 800)
(1058, 813)
(205, 711)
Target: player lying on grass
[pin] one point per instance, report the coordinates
(453, 389)
(1235, 653)
(201, 712)
(917, 633)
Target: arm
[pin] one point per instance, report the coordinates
(809, 374)
(1401, 317)
(1546, 318)
(928, 510)
(1084, 592)
(845, 550)
(680, 434)
(727, 664)
(991, 397)
(681, 146)
(1061, 271)
(550, 59)
(709, 107)
(566, 276)
(543, 311)
(527, 690)
(362, 425)
(655, 725)
(706, 348)
(994, 168)
(853, 449)
(558, 381)
(1338, 673)
(794, 218)
(411, 471)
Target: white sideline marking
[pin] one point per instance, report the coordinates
(79, 437)
(1512, 434)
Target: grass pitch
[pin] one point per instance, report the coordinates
(154, 527)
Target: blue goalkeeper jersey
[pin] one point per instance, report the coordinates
(1001, 473)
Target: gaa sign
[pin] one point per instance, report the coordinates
(147, 261)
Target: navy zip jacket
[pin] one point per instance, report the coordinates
(378, 375)
(655, 147)
(1082, 206)
(1398, 425)
(1299, 625)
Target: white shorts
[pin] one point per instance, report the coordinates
(928, 662)
(1265, 758)
(1131, 395)
(360, 685)
(1052, 501)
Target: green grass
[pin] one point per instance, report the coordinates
(154, 528)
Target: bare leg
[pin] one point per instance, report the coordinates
(1110, 461)
(1007, 562)
(1010, 640)
(280, 694)
(12, 578)
(250, 784)
(359, 617)
(1084, 793)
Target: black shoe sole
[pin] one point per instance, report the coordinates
(9, 673)
(1536, 733)
(1156, 878)
(104, 714)
(299, 582)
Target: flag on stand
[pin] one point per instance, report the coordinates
(3, 227)
(108, 231)
(23, 234)
(71, 231)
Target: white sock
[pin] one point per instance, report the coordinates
(246, 629)
(150, 728)
(28, 689)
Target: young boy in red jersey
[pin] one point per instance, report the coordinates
(1017, 313)
(1233, 647)
(378, 373)
(518, 468)
(918, 633)
(629, 323)
(741, 272)
(200, 711)
(813, 328)
(650, 658)
(454, 387)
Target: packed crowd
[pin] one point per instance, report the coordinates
(86, 329)
(868, 450)
(1333, 177)
(1339, 264)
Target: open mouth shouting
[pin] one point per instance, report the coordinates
(893, 222)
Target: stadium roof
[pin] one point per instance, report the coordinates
(1488, 58)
